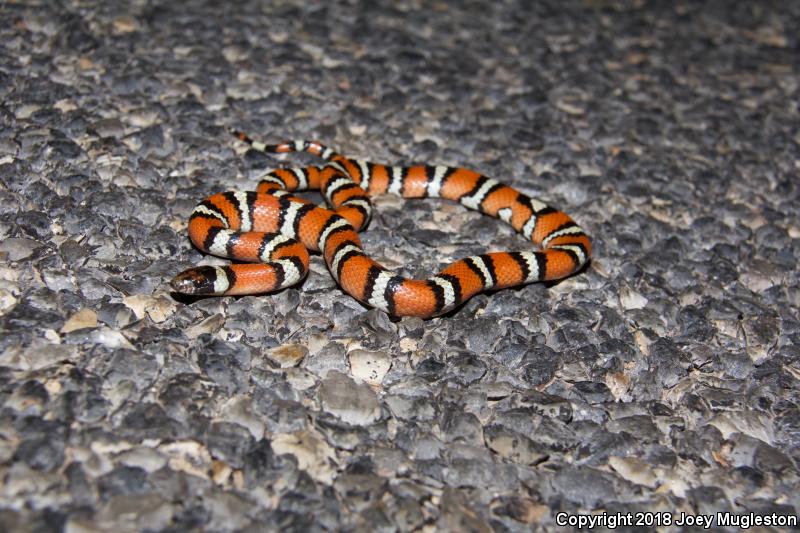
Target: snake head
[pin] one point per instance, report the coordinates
(197, 281)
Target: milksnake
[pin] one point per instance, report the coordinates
(273, 231)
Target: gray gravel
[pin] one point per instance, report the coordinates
(664, 378)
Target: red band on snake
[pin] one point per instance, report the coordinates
(273, 231)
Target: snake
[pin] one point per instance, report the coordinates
(271, 232)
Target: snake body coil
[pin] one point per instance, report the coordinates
(273, 231)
